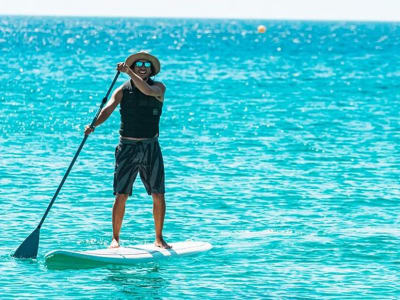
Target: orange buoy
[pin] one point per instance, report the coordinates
(261, 29)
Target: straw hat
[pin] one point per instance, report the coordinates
(143, 55)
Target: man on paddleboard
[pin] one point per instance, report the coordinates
(141, 100)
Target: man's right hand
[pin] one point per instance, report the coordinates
(123, 67)
(88, 130)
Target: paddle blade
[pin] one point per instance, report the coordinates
(29, 248)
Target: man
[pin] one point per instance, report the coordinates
(141, 100)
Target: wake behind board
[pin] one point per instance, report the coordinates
(127, 255)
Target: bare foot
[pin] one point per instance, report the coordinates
(162, 244)
(114, 244)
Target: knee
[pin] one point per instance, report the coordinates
(121, 198)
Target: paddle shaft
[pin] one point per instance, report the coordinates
(103, 102)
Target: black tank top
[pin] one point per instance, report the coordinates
(140, 113)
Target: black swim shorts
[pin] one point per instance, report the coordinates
(143, 157)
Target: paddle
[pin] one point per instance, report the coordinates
(29, 247)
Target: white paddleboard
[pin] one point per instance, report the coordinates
(128, 255)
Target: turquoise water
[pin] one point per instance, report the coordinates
(281, 149)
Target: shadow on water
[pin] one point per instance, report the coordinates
(142, 280)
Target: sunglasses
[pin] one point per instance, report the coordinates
(142, 63)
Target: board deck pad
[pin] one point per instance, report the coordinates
(127, 255)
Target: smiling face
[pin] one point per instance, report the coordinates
(142, 68)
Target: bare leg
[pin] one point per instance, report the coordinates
(117, 217)
(158, 215)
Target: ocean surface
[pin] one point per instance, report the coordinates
(281, 149)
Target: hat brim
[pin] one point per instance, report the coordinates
(144, 56)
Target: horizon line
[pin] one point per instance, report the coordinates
(203, 18)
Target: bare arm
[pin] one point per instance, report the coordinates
(156, 90)
(107, 110)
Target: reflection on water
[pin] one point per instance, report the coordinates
(137, 280)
